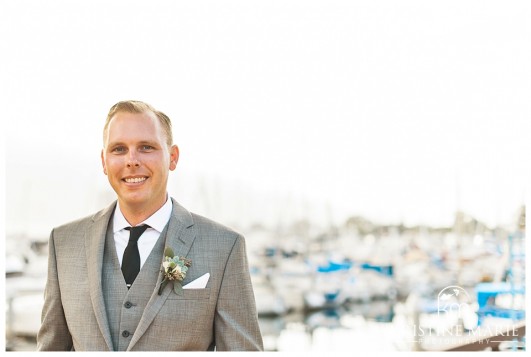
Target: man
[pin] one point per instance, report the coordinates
(104, 287)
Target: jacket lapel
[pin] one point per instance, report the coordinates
(180, 235)
(94, 247)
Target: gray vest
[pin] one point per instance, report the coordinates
(125, 307)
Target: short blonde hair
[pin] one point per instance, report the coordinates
(136, 106)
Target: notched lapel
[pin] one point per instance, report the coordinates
(181, 231)
(94, 248)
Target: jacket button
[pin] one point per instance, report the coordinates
(126, 333)
(128, 305)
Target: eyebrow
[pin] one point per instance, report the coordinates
(143, 142)
(146, 142)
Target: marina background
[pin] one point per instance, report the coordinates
(343, 133)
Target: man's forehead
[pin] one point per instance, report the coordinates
(115, 134)
(127, 118)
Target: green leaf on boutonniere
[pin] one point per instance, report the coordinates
(168, 252)
(178, 288)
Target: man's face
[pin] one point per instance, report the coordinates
(137, 160)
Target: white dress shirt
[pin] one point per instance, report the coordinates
(157, 221)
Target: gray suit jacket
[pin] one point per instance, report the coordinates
(221, 315)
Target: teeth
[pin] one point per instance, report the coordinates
(135, 179)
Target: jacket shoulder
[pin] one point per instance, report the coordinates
(74, 224)
(80, 223)
(209, 227)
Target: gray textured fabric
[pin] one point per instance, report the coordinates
(77, 315)
(113, 286)
(124, 306)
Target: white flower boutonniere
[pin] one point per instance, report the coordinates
(173, 269)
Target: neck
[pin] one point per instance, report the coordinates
(138, 214)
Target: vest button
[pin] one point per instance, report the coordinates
(128, 305)
(126, 333)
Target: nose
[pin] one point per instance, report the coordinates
(132, 160)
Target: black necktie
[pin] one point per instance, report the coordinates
(131, 259)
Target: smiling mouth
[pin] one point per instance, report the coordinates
(135, 179)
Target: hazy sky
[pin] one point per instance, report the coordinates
(397, 110)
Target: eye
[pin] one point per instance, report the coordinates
(147, 147)
(118, 149)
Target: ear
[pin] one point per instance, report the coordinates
(103, 163)
(174, 157)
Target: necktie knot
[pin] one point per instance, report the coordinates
(136, 232)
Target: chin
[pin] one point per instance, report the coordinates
(135, 199)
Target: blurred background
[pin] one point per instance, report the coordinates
(372, 153)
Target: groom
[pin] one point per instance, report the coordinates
(103, 291)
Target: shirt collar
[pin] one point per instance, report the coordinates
(157, 220)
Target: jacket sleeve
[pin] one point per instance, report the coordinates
(236, 321)
(53, 334)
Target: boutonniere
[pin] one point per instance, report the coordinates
(174, 269)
